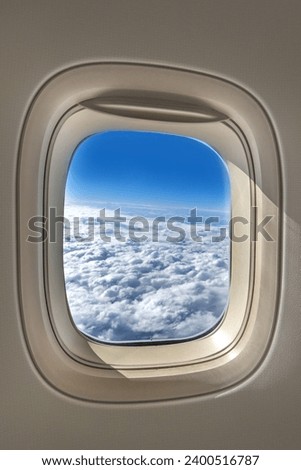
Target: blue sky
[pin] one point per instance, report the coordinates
(148, 168)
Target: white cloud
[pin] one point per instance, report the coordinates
(127, 291)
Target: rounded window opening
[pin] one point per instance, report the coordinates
(146, 242)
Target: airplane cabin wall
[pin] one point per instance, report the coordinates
(255, 44)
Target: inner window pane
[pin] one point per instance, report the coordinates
(146, 245)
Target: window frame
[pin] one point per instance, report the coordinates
(239, 342)
(85, 122)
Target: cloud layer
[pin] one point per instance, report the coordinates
(147, 291)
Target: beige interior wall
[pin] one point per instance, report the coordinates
(253, 43)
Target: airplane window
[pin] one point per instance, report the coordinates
(141, 232)
(146, 246)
